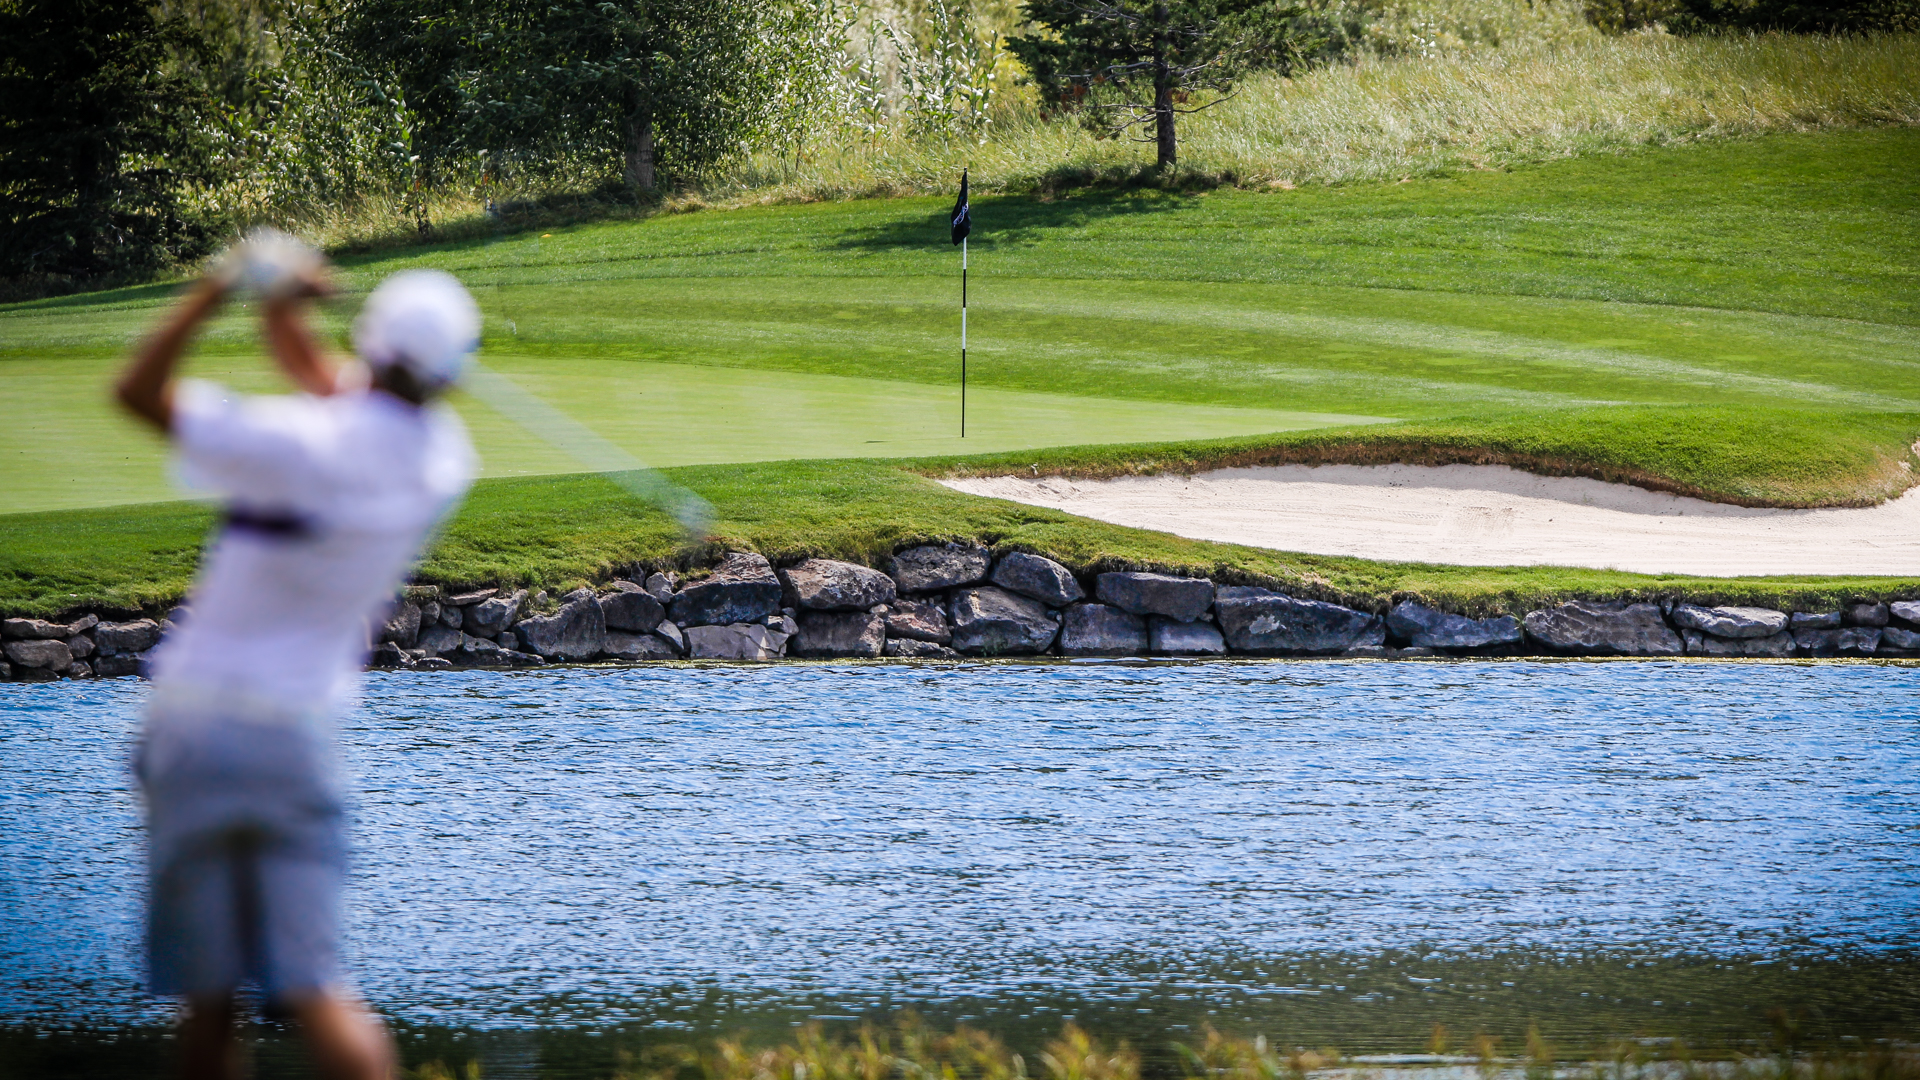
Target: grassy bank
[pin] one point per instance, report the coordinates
(558, 532)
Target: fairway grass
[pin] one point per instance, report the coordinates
(1738, 321)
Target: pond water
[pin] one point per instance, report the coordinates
(551, 862)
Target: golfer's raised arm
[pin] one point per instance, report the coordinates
(146, 389)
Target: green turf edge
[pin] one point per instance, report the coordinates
(1744, 456)
(558, 532)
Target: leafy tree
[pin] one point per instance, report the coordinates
(1135, 63)
(98, 144)
(674, 83)
(654, 85)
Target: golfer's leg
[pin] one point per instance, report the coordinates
(208, 1050)
(347, 1040)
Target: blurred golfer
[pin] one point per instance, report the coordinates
(330, 494)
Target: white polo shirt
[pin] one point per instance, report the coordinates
(329, 501)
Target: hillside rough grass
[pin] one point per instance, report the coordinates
(1555, 95)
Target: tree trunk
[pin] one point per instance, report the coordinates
(1163, 91)
(640, 147)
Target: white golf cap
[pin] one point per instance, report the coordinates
(422, 320)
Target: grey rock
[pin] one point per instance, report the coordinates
(429, 612)
(452, 616)
(40, 653)
(995, 622)
(34, 674)
(39, 629)
(79, 669)
(438, 640)
(1431, 628)
(836, 633)
(1704, 644)
(1907, 611)
(660, 587)
(673, 635)
(786, 624)
(1038, 577)
(1170, 638)
(403, 626)
(6, 671)
(736, 641)
(624, 646)
(81, 646)
(1846, 641)
(1812, 620)
(1372, 652)
(1259, 621)
(432, 663)
(470, 598)
(910, 649)
(831, 585)
(1899, 638)
(576, 632)
(1874, 615)
(118, 638)
(489, 617)
(116, 665)
(420, 593)
(1177, 598)
(918, 619)
(1102, 630)
(743, 588)
(1613, 628)
(480, 652)
(1415, 652)
(933, 567)
(1730, 622)
(387, 655)
(635, 612)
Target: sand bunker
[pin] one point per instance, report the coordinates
(1485, 515)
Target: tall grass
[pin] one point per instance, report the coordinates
(1387, 117)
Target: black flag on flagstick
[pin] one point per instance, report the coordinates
(962, 213)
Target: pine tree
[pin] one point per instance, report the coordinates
(1126, 64)
(98, 143)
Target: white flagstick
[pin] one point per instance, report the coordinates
(588, 447)
(963, 337)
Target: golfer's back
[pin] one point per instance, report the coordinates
(329, 500)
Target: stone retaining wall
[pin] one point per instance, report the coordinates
(952, 600)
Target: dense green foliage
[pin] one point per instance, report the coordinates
(686, 81)
(1797, 16)
(1131, 63)
(98, 146)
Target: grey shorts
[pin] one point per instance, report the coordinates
(246, 856)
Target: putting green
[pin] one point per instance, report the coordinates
(69, 450)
